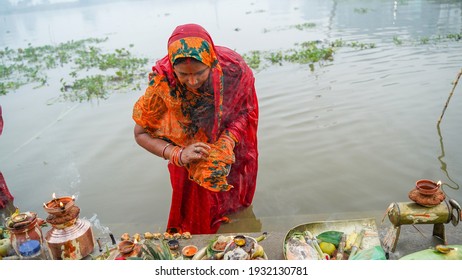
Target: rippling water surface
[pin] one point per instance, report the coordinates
(344, 140)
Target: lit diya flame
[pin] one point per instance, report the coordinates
(59, 204)
(439, 183)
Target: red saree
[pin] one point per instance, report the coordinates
(227, 104)
(5, 195)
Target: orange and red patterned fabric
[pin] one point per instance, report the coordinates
(225, 108)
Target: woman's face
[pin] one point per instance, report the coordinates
(192, 73)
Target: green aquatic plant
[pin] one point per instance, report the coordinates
(122, 70)
(304, 53)
(362, 46)
(428, 39)
(253, 59)
(300, 26)
(85, 88)
(361, 10)
(275, 57)
(455, 37)
(397, 41)
(424, 40)
(310, 53)
(109, 71)
(306, 25)
(354, 44)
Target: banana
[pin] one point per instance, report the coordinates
(350, 240)
(258, 252)
(443, 249)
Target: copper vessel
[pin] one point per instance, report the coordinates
(70, 238)
(73, 242)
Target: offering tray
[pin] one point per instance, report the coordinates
(367, 226)
(250, 244)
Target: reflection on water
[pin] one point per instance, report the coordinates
(438, 126)
(444, 168)
(343, 140)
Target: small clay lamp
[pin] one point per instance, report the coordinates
(126, 247)
(427, 193)
(427, 187)
(189, 251)
(173, 244)
(59, 206)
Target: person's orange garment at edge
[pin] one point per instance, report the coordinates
(225, 107)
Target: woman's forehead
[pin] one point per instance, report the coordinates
(190, 66)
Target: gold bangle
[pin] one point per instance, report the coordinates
(165, 148)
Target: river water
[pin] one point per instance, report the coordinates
(342, 141)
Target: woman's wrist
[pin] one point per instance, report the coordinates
(175, 155)
(164, 149)
(180, 161)
(230, 135)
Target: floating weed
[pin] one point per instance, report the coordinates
(306, 25)
(275, 57)
(338, 43)
(253, 59)
(122, 70)
(310, 53)
(361, 10)
(397, 41)
(362, 46)
(301, 26)
(85, 88)
(429, 39)
(455, 37)
(118, 69)
(424, 40)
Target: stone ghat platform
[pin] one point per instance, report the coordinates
(412, 238)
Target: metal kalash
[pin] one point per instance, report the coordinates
(70, 238)
(412, 213)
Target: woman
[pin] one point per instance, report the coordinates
(200, 111)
